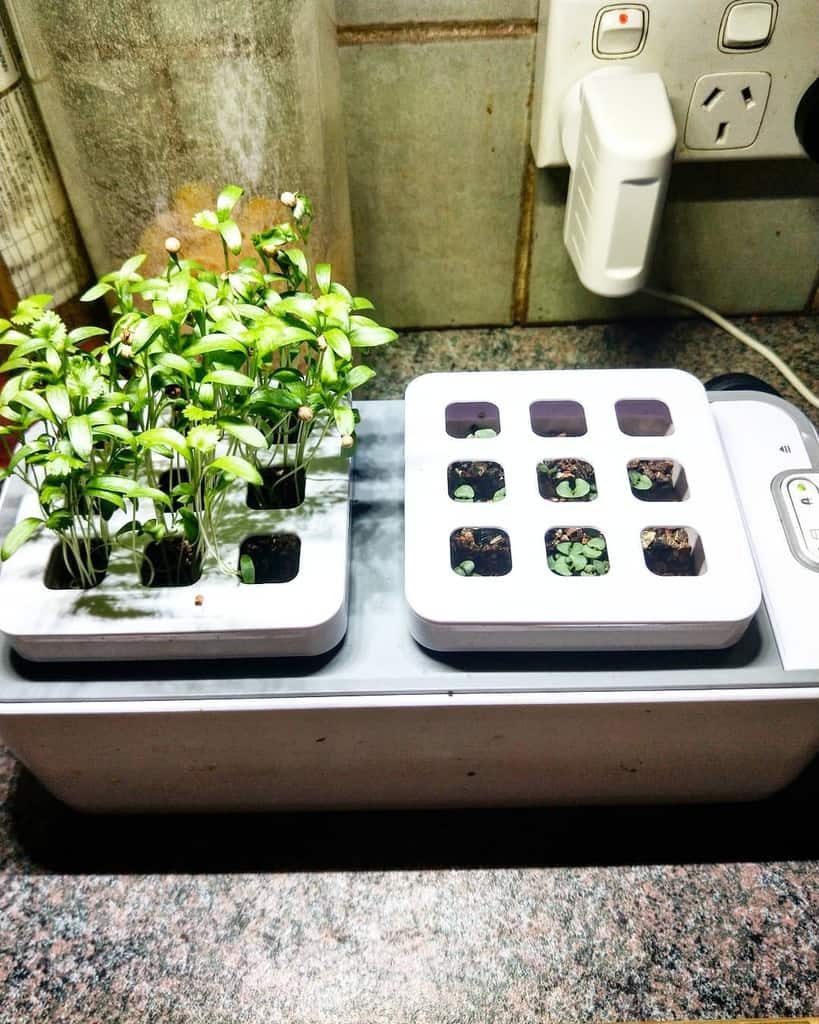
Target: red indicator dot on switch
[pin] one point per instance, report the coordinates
(623, 18)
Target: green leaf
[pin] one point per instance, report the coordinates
(359, 302)
(499, 495)
(639, 481)
(214, 343)
(323, 277)
(145, 330)
(598, 543)
(244, 432)
(236, 466)
(247, 569)
(338, 342)
(131, 266)
(30, 308)
(204, 437)
(565, 547)
(171, 361)
(228, 198)
(467, 567)
(206, 219)
(484, 432)
(114, 431)
(464, 493)
(57, 398)
(79, 433)
(194, 414)
(276, 398)
(359, 375)
(18, 535)
(561, 566)
(231, 235)
(366, 333)
(36, 403)
(298, 259)
(345, 419)
(84, 333)
(327, 368)
(229, 378)
(178, 290)
(164, 437)
(96, 292)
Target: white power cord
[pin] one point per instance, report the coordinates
(746, 339)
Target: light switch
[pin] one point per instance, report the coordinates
(620, 31)
(747, 26)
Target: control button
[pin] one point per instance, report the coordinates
(620, 31)
(747, 26)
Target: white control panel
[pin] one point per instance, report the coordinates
(797, 496)
(734, 71)
(770, 454)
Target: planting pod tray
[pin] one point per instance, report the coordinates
(610, 564)
(218, 616)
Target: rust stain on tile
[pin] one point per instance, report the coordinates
(434, 32)
(523, 249)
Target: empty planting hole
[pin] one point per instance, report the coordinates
(476, 481)
(748, 98)
(576, 551)
(472, 419)
(282, 487)
(712, 99)
(275, 558)
(172, 562)
(63, 573)
(657, 480)
(480, 551)
(722, 132)
(566, 480)
(558, 419)
(673, 551)
(643, 417)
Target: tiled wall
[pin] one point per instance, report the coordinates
(453, 224)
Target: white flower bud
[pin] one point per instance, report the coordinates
(172, 244)
(321, 342)
(288, 198)
(347, 440)
(298, 210)
(126, 351)
(305, 413)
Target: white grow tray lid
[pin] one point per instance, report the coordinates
(216, 617)
(532, 608)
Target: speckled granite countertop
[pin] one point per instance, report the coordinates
(467, 917)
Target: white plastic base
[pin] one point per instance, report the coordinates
(532, 607)
(216, 617)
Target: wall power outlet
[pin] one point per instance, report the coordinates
(727, 110)
(728, 102)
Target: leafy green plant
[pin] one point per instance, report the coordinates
(566, 480)
(207, 377)
(639, 481)
(577, 553)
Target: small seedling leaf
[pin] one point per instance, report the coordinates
(247, 569)
(499, 495)
(18, 535)
(464, 493)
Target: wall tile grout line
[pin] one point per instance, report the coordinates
(522, 271)
(433, 32)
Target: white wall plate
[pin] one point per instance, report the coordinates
(216, 617)
(683, 41)
(532, 607)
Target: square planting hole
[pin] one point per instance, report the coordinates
(644, 417)
(172, 562)
(476, 481)
(63, 570)
(577, 551)
(282, 487)
(673, 551)
(566, 480)
(480, 551)
(558, 419)
(472, 419)
(273, 558)
(657, 480)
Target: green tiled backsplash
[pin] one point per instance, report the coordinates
(436, 107)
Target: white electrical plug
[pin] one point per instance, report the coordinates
(618, 135)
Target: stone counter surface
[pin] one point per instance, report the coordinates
(431, 918)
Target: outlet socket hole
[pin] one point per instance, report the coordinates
(748, 98)
(712, 99)
(722, 132)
